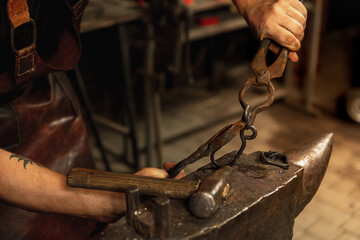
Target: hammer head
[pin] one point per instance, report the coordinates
(211, 194)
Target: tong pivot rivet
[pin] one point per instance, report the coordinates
(264, 74)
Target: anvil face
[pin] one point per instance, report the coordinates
(313, 156)
(262, 202)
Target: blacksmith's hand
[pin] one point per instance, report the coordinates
(158, 173)
(283, 21)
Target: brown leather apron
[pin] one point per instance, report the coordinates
(40, 119)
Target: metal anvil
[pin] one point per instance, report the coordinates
(257, 200)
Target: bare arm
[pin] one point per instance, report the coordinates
(283, 21)
(28, 185)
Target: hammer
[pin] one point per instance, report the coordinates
(206, 195)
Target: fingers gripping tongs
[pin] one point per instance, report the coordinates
(263, 76)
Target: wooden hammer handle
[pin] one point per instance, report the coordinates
(119, 182)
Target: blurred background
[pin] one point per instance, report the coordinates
(159, 78)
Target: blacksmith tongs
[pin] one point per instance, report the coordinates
(263, 75)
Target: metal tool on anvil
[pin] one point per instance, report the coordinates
(206, 195)
(260, 202)
(263, 76)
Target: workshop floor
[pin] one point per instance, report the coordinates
(334, 213)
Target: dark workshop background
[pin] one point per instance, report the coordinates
(160, 77)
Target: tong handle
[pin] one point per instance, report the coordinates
(259, 62)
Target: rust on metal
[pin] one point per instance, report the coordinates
(262, 200)
(222, 137)
(263, 76)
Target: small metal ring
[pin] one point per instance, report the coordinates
(212, 158)
(254, 132)
(270, 99)
(12, 36)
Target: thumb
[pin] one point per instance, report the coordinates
(168, 165)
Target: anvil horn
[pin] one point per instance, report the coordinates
(313, 156)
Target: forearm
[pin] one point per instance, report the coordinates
(27, 185)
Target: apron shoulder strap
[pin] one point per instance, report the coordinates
(25, 58)
(18, 12)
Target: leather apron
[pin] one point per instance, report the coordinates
(40, 119)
